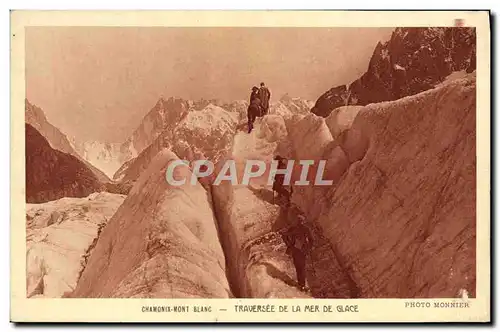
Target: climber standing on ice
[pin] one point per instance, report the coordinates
(299, 243)
(279, 180)
(265, 96)
(254, 109)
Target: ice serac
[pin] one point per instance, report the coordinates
(52, 174)
(249, 221)
(35, 117)
(341, 119)
(401, 215)
(309, 126)
(60, 236)
(161, 243)
(412, 61)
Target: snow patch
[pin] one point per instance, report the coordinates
(398, 67)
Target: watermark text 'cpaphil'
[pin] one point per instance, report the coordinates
(302, 171)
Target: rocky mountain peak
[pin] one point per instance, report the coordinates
(411, 61)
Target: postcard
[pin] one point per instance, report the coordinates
(250, 166)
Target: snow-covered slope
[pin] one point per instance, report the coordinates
(59, 235)
(161, 243)
(105, 156)
(205, 133)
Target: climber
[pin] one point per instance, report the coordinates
(298, 240)
(279, 179)
(254, 109)
(265, 96)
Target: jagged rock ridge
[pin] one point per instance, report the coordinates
(203, 134)
(412, 61)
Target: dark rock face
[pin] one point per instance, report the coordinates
(52, 174)
(412, 61)
(330, 100)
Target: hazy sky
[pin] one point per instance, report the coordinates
(98, 83)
